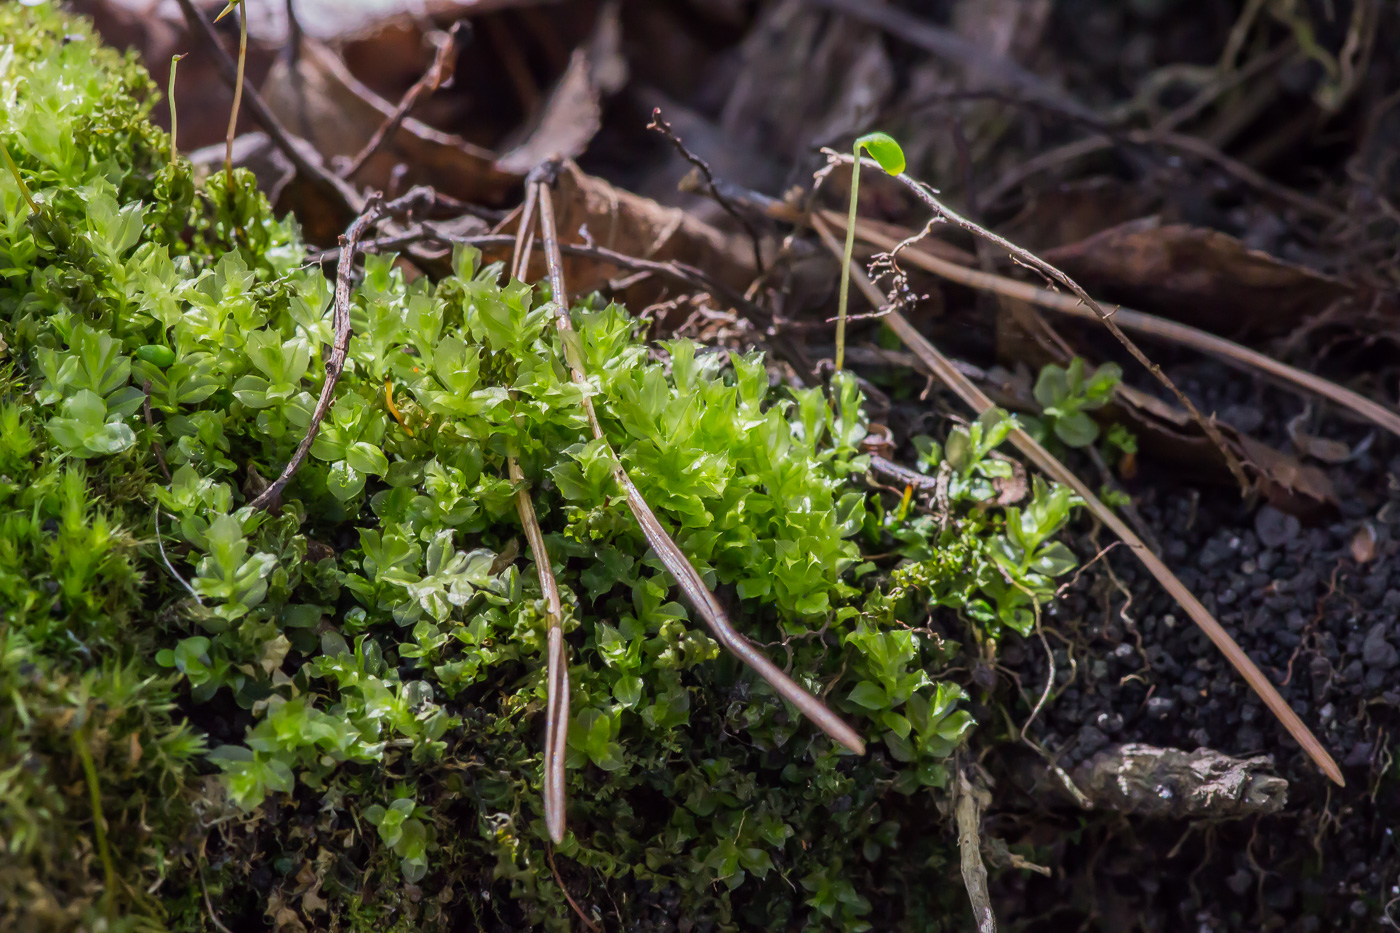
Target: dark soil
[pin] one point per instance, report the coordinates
(1130, 667)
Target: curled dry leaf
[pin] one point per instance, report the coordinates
(1168, 437)
(1199, 277)
(1310, 445)
(1363, 545)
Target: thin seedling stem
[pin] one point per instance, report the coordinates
(174, 117)
(846, 262)
(19, 179)
(237, 85)
(99, 823)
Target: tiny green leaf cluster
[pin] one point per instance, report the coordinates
(350, 688)
(1067, 394)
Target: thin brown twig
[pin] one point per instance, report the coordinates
(976, 400)
(352, 201)
(208, 904)
(431, 80)
(549, 854)
(1030, 259)
(671, 556)
(659, 124)
(1226, 351)
(556, 729)
(349, 243)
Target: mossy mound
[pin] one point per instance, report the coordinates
(329, 716)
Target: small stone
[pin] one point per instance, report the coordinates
(1275, 528)
(1240, 882)
(1090, 740)
(1376, 651)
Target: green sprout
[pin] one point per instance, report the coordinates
(174, 119)
(19, 179)
(886, 151)
(1066, 394)
(237, 86)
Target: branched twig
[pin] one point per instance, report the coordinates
(660, 541)
(431, 80)
(1027, 257)
(349, 243)
(350, 199)
(969, 801)
(1224, 350)
(1057, 471)
(664, 128)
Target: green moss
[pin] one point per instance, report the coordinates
(333, 712)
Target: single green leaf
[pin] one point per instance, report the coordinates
(869, 695)
(883, 149)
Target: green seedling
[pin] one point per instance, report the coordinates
(238, 83)
(886, 151)
(19, 179)
(174, 117)
(1066, 394)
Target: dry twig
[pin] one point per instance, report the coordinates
(967, 808)
(349, 244)
(556, 729)
(432, 79)
(1028, 258)
(661, 542)
(712, 188)
(1226, 351)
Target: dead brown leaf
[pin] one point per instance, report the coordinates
(1200, 277)
(591, 210)
(573, 111)
(1310, 445)
(1075, 210)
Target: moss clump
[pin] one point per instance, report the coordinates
(331, 715)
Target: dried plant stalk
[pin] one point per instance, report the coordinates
(661, 542)
(556, 719)
(1226, 351)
